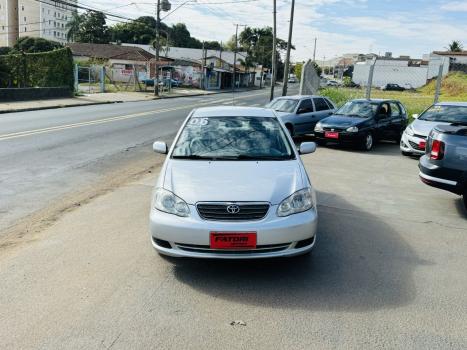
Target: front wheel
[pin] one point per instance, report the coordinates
(367, 143)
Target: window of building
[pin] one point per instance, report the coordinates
(63, 26)
(55, 33)
(24, 19)
(25, 29)
(48, 12)
(22, 8)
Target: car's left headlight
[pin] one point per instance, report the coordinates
(168, 202)
(298, 202)
(318, 127)
(352, 129)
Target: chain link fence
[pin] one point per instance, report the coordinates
(416, 83)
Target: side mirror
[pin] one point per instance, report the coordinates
(160, 147)
(307, 147)
(415, 116)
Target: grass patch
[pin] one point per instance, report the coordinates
(454, 88)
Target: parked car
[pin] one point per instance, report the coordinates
(362, 122)
(392, 87)
(233, 186)
(301, 113)
(413, 139)
(444, 164)
(332, 83)
(292, 80)
(166, 81)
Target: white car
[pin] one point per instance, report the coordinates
(413, 140)
(233, 186)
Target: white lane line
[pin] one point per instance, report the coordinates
(112, 119)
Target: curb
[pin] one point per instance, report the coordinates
(29, 109)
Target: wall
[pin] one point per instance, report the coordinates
(27, 94)
(396, 73)
(8, 22)
(188, 75)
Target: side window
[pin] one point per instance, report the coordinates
(305, 106)
(320, 104)
(330, 104)
(395, 110)
(403, 111)
(384, 110)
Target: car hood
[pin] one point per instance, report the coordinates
(342, 121)
(423, 127)
(283, 114)
(233, 181)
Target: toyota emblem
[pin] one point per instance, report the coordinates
(233, 209)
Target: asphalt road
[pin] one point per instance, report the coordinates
(388, 272)
(45, 155)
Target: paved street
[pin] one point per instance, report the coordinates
(388, 270)
(47, 154)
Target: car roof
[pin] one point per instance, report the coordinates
(374, 100)
(233, 111)
(297, 97)
(460, 104)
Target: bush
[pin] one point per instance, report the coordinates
(46, 69)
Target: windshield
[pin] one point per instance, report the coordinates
(447, 114)
(361, 109)
(233, 138)
(283, 105)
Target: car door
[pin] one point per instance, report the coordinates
(383, 121)
(304, 119)
(396, 120)
(322, 109)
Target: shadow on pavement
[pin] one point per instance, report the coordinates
(359, 263)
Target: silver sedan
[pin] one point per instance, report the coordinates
(233, 186)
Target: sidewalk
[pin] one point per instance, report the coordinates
(103, 98)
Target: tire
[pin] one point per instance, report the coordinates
(368, 141)
(290, 129)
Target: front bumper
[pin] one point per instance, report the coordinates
(410, 144)
(344, 137)
(276, 236)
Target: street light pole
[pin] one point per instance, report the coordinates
(273, 62)
(287, 59)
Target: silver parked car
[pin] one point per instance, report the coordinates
(413, 140)
(301, 113)
(233, 186)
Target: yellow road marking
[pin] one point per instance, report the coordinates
(111, 119)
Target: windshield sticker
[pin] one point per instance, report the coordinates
(199, 121)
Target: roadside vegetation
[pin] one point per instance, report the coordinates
(453, 88)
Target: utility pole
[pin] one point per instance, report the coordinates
(314, 51)
(235, 55)
(273, 62)
(287, 59)
(165, 7)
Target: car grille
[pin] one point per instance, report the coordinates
(420, 136)
(219, 212)
(268, 248)
(325, 128)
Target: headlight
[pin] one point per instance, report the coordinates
(409, 131)
(298, 202)
(352, 129)
(168, 202)
(318, 127)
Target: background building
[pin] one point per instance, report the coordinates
(45, 19)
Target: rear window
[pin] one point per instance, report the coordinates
(320, 104)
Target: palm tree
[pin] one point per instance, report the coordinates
(73, 26)
(455, 46)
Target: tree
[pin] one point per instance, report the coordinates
(73, 26)
(180, 36)
(5, 50)
(92, 29)
(29, 45)
(455, 46)
(139, 31)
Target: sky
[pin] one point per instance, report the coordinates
(403, 27)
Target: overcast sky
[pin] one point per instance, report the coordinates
(404, 27)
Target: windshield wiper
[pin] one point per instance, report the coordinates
(252, 157)
(193, 156)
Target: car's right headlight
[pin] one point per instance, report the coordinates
(298, 202)
(318, 127)
(409, 131)
(168, 202)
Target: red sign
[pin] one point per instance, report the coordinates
(233, 240)
(331, 134)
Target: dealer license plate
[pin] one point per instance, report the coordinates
(331, 134)
(233, 240)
